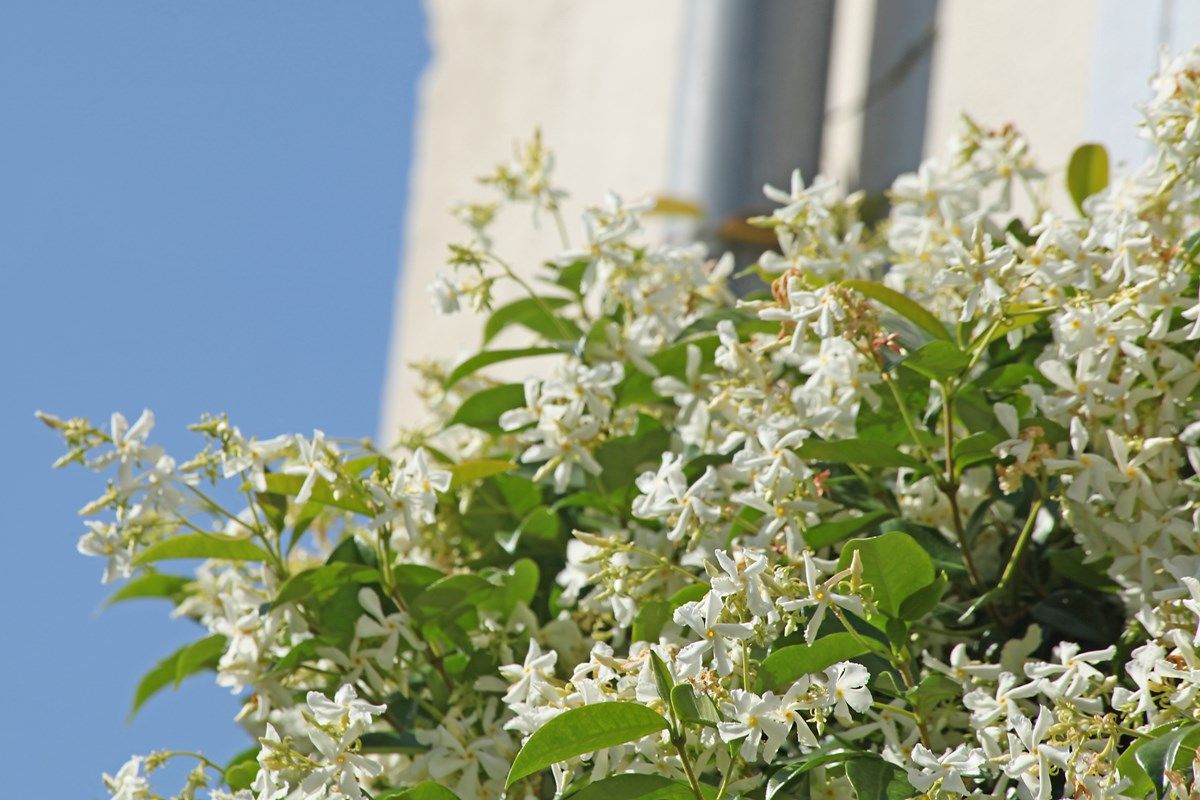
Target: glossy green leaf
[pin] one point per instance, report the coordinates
(482, 410)
(322, 493)
(584, 730)
(692, 707)
(323, 580)
(199, 655)
(786, 665)
(857, 451)
(426, 790)
(535, 314)
(519, 585)
(923, 601)
(150, 585)
(664, 681)
(201, 545)
(876, 779)
(651, 618)
(975, 449)
(827, 533)
(830, 752)
(241, 775)
(638, 387)
(902, 305)
(391, 742)
(1087, 172)
(165, 673)
(447, 595)
(634, 786)
(895, 566)
(938, 360)
(1169, 751)
(477, 469)
(489, 357)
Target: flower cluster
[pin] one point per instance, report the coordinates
(920, 516)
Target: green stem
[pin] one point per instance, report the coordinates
(1023, 539)
(511, 273)
(950, 487)
(680, 743)
(908, 423)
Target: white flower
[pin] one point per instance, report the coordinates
(846, 688)
(702, 618)
(129, 783)
(1030, 757)
(949, 768)
(345, 709)
(751, 717)
(743, 578)
(531, 680)
(105, 540)
(311, 464)
(821, 595)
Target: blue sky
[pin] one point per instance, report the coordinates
(200, 210)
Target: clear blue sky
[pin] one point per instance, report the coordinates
(200, 210)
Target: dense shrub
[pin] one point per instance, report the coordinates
(920, 517)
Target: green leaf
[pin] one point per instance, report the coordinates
(693, 591)
(241, 775)
(857, 451)
(391, 742)
(933, 689)
(165, 673)
(692, 707)
(199, 655)
(622, 459)
(338, 614)
(569, 277)
(827, 533)
(902, 305)
(322, 493)
(938, 360)
(426, 790)
(651, 618)
(664, 681)
(520, 585)
(301, 653)
(975, 449)
(634, 786)
(1089, 575)
(876, 779)
(478, 469)
(201, 545)
(1087, 172)
(1171, 750)
(922, 601)
(446, 597)
(1129, 768)
(787, 664)
(532, 313)
(150, 585)
(323, 580)
(489, 357)
(830, 752)
(584, 730)
(482, 410)
(895, 566)
(945, 555)
(638, 387)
